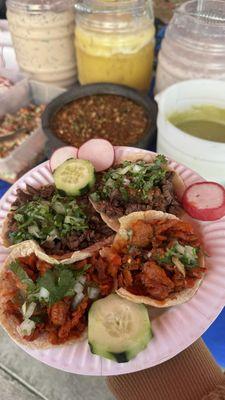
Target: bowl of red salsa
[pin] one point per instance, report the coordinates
(113, 112)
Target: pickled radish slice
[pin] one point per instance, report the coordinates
(99, 152)
(61, 155)
(205, 201)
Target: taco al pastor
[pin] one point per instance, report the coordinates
(162, 261)
(44, 304)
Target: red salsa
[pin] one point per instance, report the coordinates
(111, 117)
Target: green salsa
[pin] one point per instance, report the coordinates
(205, 122)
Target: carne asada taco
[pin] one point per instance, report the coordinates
(138, 182)
(44, 304)
(60, 224)
(162, 262)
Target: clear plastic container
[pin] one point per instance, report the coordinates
(194, 44)
(114, 42)
(16, 78)
(32, 149)
(7, 52)
(43, 36)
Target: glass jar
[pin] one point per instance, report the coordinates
(114, 42)
(43, 38)
(194, 44)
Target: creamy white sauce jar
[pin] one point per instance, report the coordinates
(43, 38)
(204, 156)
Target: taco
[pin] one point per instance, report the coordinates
(138, 182)
(162, 261)
(59, 223)
(44, 304)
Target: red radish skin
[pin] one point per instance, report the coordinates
(99, 152)
(61, 155)
(205, 201)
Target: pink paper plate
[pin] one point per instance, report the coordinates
(175, 328)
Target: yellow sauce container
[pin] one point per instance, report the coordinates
(114, 42)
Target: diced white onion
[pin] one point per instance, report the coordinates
(189, 253)
(26, 328)
(28, 310)
(126, 233)
(43, 294)
(126, 181)
(78, 287)
(77, 299)
(34, 230)
(24, 308)
(82, 279)
(123, 171)
(179, 265)
(137, 168)
(93, 292)
(59, 208)
(180, 249)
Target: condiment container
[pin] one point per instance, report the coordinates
(115, 42)
(80, 92)
(43, 37)
(194, 44)
(203, 156)
(31, 149)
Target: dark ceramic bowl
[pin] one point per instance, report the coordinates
(77, 92)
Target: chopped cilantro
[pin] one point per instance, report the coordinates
(59, 284)
(138, 177)
(188, 255)
(59, 281)
(44, 220)
(16, 268)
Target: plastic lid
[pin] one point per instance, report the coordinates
(114, 6)
(40, 5)
(212, 12)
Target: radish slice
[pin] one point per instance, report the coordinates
(205, 201)
(61, 155)
(99, 152)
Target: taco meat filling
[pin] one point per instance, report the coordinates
(60, 224)
(138, 186)
(52, 300)
(158, 259)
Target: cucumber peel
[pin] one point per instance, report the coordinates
(74, 177)
(118, 329)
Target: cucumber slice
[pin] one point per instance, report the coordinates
(74, 177)
(117, 328)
